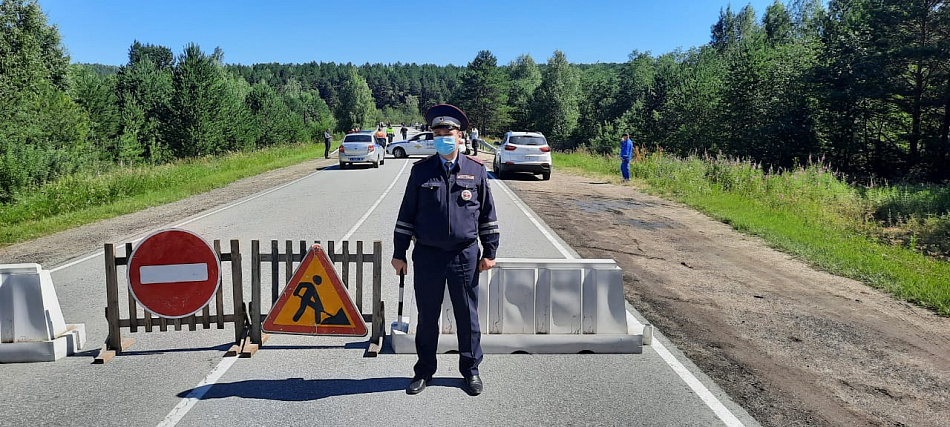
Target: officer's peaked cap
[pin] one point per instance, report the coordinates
(446, 115)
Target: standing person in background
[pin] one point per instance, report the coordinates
(389, 133)
(475, 140)
(327, 139)
(446, 210)
(404, 131)
(626, 152)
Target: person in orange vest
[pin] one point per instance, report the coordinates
(381, 134)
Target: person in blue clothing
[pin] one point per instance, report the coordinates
(626, 152)
(446, 210)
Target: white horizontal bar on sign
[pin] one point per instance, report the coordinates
(173, 273)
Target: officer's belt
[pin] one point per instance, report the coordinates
(456, 248)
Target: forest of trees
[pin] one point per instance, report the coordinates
(862, 84)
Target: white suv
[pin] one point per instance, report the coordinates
(523, 152)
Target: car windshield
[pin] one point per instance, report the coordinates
(527, 140)
(359, 138)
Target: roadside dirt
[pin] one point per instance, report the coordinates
(792, 345)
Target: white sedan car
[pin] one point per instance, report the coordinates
(361, 148)
(420, 144)
(523, 152)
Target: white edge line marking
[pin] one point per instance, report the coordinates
(189, 401)
(708, 398)
(223, 208)
(697, 386)
(534, 220)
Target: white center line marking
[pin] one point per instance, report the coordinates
(189, 401)
(372, 208)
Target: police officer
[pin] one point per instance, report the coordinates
(446, 210)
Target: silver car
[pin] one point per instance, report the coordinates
(361, 148)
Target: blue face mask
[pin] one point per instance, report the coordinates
(445, 145)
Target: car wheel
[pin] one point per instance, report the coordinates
(399, 152)
(376, 164)
(546, 176)
(500, 171)
(342, 165)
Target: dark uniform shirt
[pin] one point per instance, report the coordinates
(447, 212)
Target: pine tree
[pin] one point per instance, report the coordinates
(198, 111)
(482, 93)
(555, 111)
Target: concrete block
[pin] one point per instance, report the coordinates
(543, 306)
(32, 328)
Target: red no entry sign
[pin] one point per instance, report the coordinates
(173, 273)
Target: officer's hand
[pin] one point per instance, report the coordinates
(485, 264)
(401, 266)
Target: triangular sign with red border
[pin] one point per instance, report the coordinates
(315, 302)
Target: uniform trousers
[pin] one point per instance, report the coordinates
(434, 268)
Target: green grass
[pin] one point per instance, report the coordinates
(874, 234)
(83, 199)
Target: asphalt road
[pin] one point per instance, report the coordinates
(181, 378)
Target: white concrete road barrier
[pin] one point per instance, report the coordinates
(32, 328)
(543, 306)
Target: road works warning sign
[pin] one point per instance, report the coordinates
(315, 302)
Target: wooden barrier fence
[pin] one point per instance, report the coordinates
(247, 319)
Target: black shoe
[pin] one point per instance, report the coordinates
(417, 385)
(473, 385)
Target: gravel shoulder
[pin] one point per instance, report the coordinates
(791, 344)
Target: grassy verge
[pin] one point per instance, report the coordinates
(810, 213)
(83, 199)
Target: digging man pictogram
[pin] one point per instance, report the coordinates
(307, 292)
(309, 298)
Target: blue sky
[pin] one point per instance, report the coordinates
(360, 31)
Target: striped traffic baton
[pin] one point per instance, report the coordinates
(402, 288)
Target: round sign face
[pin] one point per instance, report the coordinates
(173, 273)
